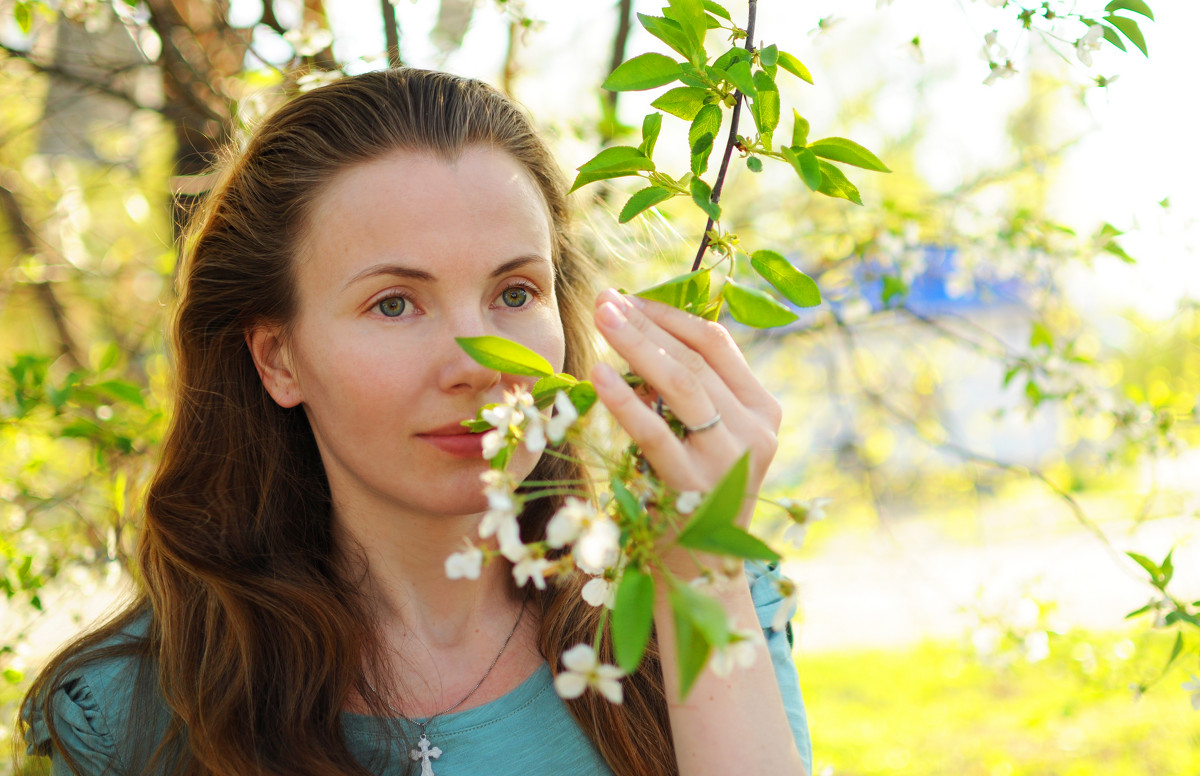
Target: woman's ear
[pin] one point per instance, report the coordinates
(273, 360)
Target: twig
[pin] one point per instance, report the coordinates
(968, 454)
(391, 32)
(24, 235)
(729, 142)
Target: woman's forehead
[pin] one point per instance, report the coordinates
(462, 214)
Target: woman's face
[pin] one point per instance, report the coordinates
(403, 255)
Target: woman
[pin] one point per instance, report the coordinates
(296, 617)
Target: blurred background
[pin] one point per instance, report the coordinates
(991, 420)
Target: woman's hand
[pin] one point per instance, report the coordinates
(699, 371)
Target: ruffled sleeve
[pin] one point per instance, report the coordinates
(81, 727)
(770, 603)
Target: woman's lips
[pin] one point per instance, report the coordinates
(459, 444)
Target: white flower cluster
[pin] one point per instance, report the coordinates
(517, 419)
(1088, 43)
(997, 57)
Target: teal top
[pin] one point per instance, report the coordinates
(527, 731)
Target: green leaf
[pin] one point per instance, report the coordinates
(708, 120)
(839, 149)
(765, 107)
(669, 32)
(769, 55)
(835, 184)
(691, 17)
(721, 505)
(1168, 568)
(704, 612)
(632, 617)
(799, 129)
(735, 542)
(796, 287)
(1175, 650)
(626, 501)
(1040, 335)
(1112, 37)
(120, 390)
(617, 157)
(651, 125)
(1142, 610)
(716, 10)
(23, 17)
(794, 66)
(702, 196)
(1150, 566)
(893, 287)
(1129, 28)
(545, 389)
(691, 647)
(1137, 6)
(753, 164)
(755, 308)
(701, 151)
(739, 76)
(806, 165)
(646, 71)
(735, 54)
(614, 162)
(643, 200)
(583, 396)
(505, 356)
(687, 292)
(682, 101)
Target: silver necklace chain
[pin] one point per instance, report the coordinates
(424, 752)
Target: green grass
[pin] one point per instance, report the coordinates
(936, 710)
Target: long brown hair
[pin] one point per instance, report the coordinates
(254, 638)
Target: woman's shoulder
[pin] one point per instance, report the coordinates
(91, 701)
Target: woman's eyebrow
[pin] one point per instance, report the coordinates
(412, 273)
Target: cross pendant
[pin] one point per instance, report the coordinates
(424, 752)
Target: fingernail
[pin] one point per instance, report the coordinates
(608, 295)
(605, 375)
(610, 316)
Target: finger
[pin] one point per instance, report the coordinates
(723, 398)
(678, 384)
(665, 451)
(714, 343)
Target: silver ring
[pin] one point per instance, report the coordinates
(707, 424)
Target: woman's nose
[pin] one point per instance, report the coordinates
(460, 372)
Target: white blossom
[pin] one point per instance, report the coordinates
(535, 433)
(509, 536)
(309, 40)
(315, 78)
(493, 442)
(464, 565)
(688, 501)
(740, 652)
(1194, 688)
(803, 512)
(599, 546)
(1000, 71)
(582, 670)
(531, 568)
(1088, 43)
(565, 415)
(568, 522)
(787, 607)
(502, 416)
(600, 592)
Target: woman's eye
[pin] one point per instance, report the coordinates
(515, 296)
(393, 306)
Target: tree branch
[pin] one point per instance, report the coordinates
(620, 42)
(24, 235)
(391, 32)
(730, 142)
